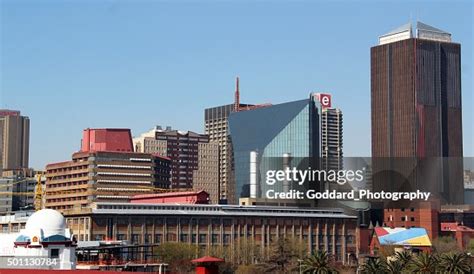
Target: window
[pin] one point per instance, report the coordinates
(157, 238)
(403, 219)
(412, 219)
(135, 238)
(54, 253)
(215, 238)
(99, 237)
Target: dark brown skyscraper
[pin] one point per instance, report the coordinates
(416, 108)
(14, 140)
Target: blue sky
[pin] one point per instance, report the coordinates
(69, 65)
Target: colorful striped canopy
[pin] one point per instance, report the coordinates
(415, 236)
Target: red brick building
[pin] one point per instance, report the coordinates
(425, 215)
(462, 234)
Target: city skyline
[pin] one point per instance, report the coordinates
(279, 61)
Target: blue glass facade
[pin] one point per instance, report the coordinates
(290, 128)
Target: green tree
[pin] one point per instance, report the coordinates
(455, 263)
(319, 263)
(404, 257)
(246, 252)
(445, 244)
(374, 266)
(424, 263)
(281, 259)
(394, 267)
(177, 255)
(470, 246)
(248, 269)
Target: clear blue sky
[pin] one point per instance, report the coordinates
(70, 65)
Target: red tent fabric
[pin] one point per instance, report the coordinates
(207, 259)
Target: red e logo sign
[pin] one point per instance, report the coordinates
(325, 100)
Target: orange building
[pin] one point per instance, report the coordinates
(463, 234)
(423, 215)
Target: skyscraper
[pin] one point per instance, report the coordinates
(273, 138)
(14, 140)
(189, 152)
(416, 108)
(216, 126)
(331, 133)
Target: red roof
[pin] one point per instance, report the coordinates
(208, 259)
(157, 155)
(455, 227)
(168, 194)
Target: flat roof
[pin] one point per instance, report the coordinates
(216, 210)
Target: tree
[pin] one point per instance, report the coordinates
(248, 269)
(424, 263)
(246, 252)
(470, 247)
(394, 267)
(281, 258)
(455, 263)
(177, 255)
(374, 266)
(320, 262)
(445, 244)
(404, 257)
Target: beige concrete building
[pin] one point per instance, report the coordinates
(103, 176)
(206, 177)
(216, 127)
(14, 140)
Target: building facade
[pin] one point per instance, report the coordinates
(105, 169)
(331, 133)
(218, 225)
(194, 159)
(423, 216)
(416, 110)
(18, 188)
(206, 176)
(14, 140)
(216, 126)
(272, 138)
(181, 197)
(103, 176)
(107, 139)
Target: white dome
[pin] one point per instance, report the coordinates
(50, 221)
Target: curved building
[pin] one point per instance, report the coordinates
(277, 136)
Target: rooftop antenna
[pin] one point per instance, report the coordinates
(237, 95)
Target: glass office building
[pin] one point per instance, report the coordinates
(283, 135)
